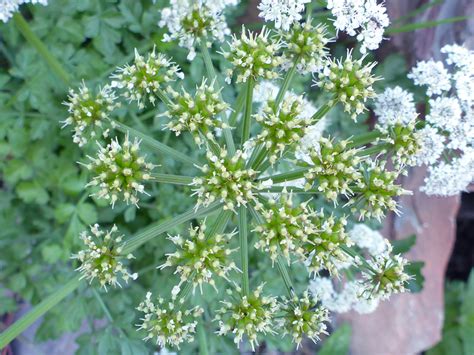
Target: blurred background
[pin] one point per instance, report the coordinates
(43, 206)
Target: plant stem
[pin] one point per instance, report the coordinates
(286, 84)
(211, 72)
(37, 311)
(163, 97)
(238, 106)
(365, 138)
(292, 189)
(355, 254)
(107, 312)
(375, 149)
(248, 110)
(153, 143)
(43, 51)
(284, 177)
(283, 269)
(202, 339)
(244, 255)
(172, 179)
(322, 111)
(421, 25)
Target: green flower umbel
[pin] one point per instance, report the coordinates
(196, 113)
(119, 172)
(200, 257)
(226, 179)
(253, 56)
(350, 81)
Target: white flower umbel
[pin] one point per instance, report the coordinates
(304, 316)
(192, 21)
(432, 145)
(9, 7)
(333, 168)
(349, 81)
(119, 171)
(142, 80)
(283, 129)
(449, 179)
(252, 315)
(196, 113)
(167, 322)
(305, 45)
(199, 258)
(283, 12)
(225, 179)
(88, 112)
(445, 113)
(433, 75)
(365, 19)
(253, 56)
(394, 105)
(369, 239)
(101, 259)
(310, 141)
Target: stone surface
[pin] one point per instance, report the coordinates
(411, 323)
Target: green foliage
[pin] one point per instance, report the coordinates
(338, 343)
(458, 329)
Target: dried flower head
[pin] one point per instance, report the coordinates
(88, 112)
(253, 56)
(142, 80)
(102, 258)
(119, 171)
(303, 316)
(167, 322)
(226, 179)
(306, 45)
(250, 315)
(350, 81)
(333, 168)
(196, 113)
(200, 257)
(282, 129)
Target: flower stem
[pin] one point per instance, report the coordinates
(365, 138)
(172, 179)
(163, 97)
(153, 143)
(375, 149)
(323, 110)
(244, 255)
(248, 110)
(211, 72)
(286, 84)
(290, 176)
(202, 339)
(237, 109)
(43, 51)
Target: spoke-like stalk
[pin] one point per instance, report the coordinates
(364, 139)
(244, 254)
(323, 110)
(153, 143)
(202, 339)
(292, 189)
(359, 257)
(286, 84)
(248, 110)
(172, 179)
(376, 149)
(163, 97)
(284, 177)
(106, 311)
(211, 72)
(34, 40)
(237, 109)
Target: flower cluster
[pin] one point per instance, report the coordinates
(282, 129)
(88, 113)
(334, 167)
(285, 13)
(9, 7)
(201, 256)
(119, 171)
(144, 79)
(449, 131)
(394, 105)
(253, 56)
(226, 179)
(350, 82)
(101, 259)
(305, 45)
(251, 315)
(304, 317)
(196, 113)
(167, 322)
(365, 19)
(191, 22)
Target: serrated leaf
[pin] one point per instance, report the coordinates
(63, 212)
(32, 191)
(16, 170)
